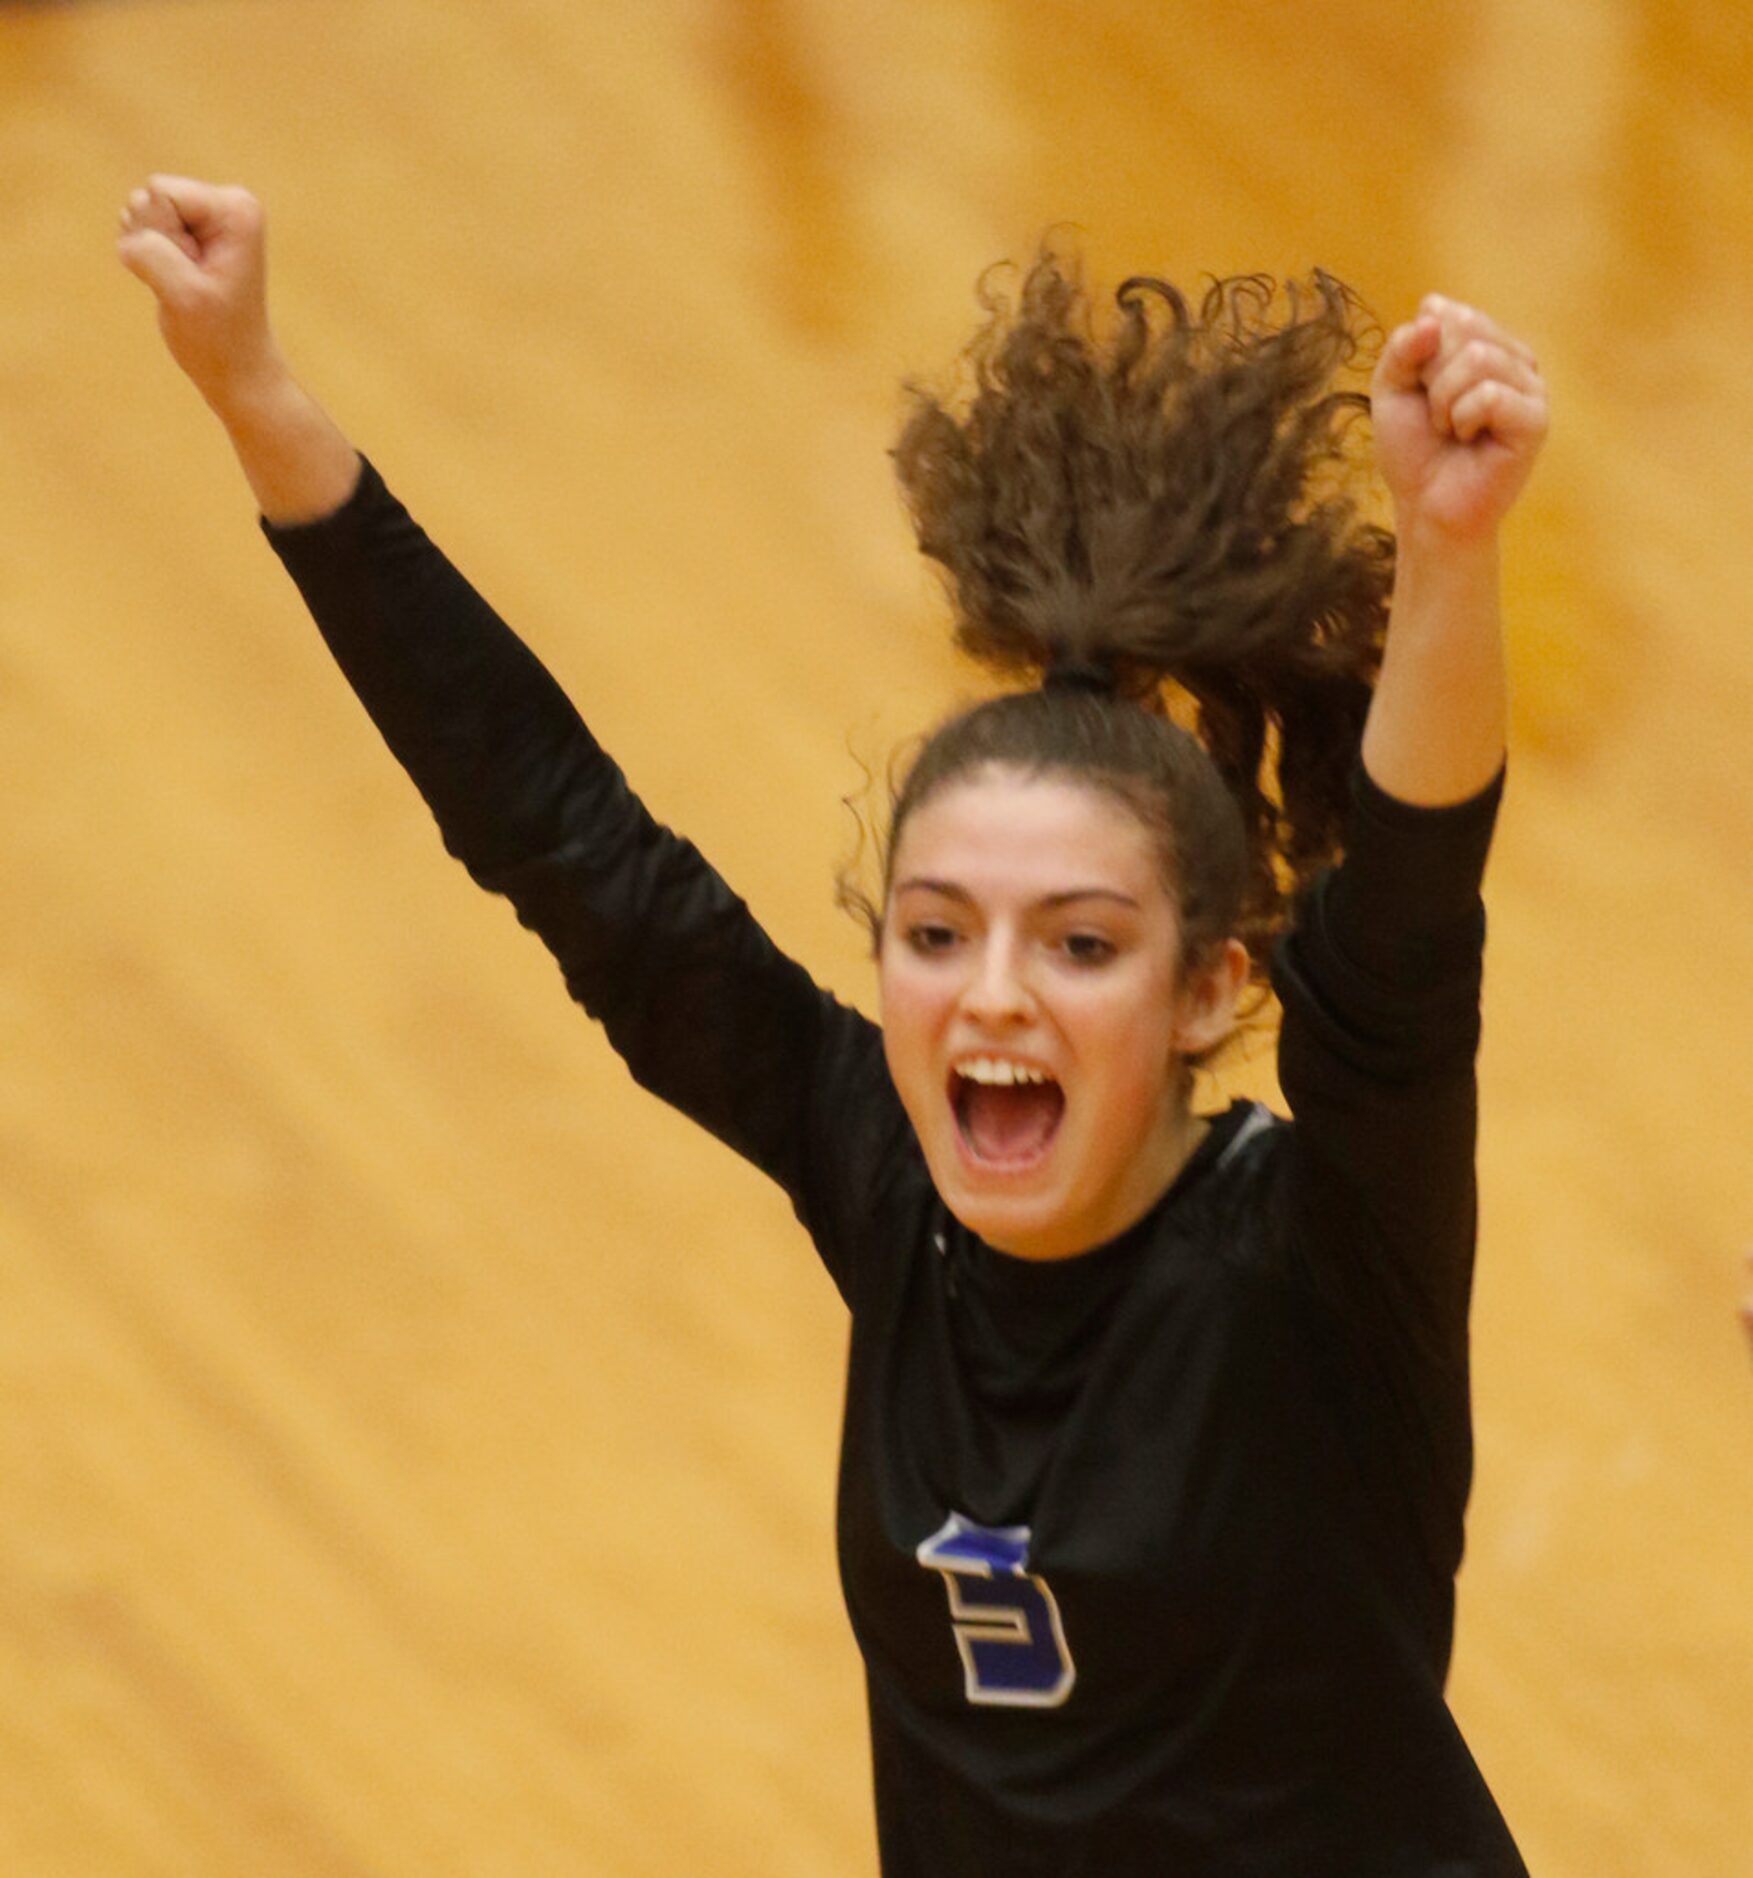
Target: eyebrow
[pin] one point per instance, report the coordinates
(951, 890)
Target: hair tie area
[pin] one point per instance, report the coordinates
(1081, 675)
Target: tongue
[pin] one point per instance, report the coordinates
(1007, 1123)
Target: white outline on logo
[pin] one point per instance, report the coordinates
(972, 1624)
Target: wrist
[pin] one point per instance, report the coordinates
(1434, 549)
(254, 397)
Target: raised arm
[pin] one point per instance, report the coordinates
(1380, 977)
(704, 1009)
(201, 249)
(1459, 416)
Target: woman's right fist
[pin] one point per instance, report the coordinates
(200, 248)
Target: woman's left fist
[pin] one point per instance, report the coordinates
(1459, 411)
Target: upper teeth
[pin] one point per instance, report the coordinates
(996, 1069)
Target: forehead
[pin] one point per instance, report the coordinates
(1000, 830)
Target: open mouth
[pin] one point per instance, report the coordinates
(1006, 1112)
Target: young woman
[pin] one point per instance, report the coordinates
(1157, 1438)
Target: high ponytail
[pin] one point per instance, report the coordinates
(1175, 496)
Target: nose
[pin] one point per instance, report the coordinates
(997, 991)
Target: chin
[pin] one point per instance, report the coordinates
(1018, 1207)
(1024, 1224)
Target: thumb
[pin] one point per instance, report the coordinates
(157, 260)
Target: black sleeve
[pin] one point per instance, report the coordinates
(1379, 979)
(704, 1009)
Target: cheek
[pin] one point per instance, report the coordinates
(912, 1008)
(1127, 1045)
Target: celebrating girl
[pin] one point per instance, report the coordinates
(1157, 1437)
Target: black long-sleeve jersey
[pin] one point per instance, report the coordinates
(1150, 1552)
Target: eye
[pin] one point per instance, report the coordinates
(930, 936)
(1087, 948)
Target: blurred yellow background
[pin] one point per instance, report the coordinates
(418, 1447)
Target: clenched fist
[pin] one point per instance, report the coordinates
(200, 248)
(1459, 414)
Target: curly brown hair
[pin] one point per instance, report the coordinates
(1176, 498)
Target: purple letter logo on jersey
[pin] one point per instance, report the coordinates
(1005, 1619)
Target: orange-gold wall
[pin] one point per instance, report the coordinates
(416, 1447)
